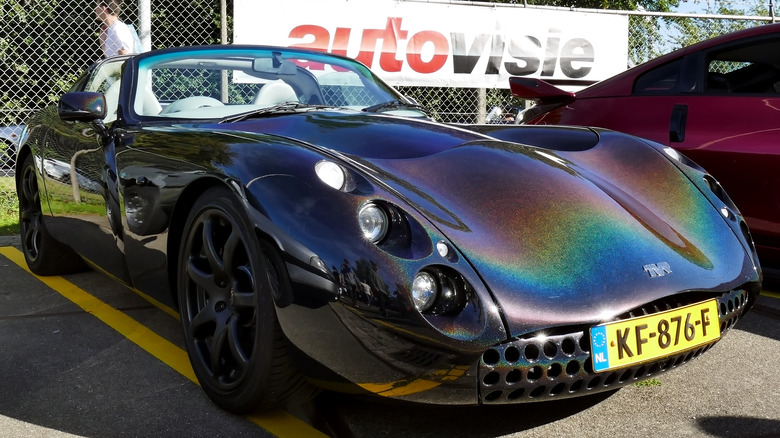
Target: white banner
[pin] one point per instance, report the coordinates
(444, 44)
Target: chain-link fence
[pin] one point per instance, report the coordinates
(45, 45)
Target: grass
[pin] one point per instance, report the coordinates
(648, 383)
(61, 201)
(9, 208)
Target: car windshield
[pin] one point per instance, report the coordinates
(221, 82)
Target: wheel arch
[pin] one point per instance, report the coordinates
(179, 216)
(181, 211)
(20, 157)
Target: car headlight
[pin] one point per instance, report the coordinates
(424, 291)
(439, 290)
(373, 222)
(334, 176)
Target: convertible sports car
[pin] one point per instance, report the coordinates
(316, 230)
(716, 102)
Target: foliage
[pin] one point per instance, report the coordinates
(687, 31)
(622, 5)
(9, 210)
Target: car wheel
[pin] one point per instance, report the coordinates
(234, 341)
(44, 255)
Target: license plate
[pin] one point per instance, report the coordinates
(623, 343)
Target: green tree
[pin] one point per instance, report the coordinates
(686, 31)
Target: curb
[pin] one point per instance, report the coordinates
(10, 241)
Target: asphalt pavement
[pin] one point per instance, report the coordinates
(70, 370)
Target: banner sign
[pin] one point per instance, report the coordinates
(445, 44)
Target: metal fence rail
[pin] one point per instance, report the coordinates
(44, 46)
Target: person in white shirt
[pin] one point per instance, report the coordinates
(116, 38)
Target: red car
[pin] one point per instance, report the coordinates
(717, 102)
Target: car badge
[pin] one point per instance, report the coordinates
(657, 269)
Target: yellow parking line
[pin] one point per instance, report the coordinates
(771, 294)
(280, 423)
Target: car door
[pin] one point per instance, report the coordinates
(732, 127)
(77, 163)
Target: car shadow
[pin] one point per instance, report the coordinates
(348, 417)
(739, 427)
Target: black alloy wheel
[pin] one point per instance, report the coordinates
(233, 339)
(43, 254)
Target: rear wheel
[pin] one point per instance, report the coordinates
(43, 254)
(234, 341)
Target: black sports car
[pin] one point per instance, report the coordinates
(316, 229)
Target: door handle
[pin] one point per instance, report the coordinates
(677, 123)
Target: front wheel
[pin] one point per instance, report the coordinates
(233, 339)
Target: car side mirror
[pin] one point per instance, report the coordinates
(82, 106)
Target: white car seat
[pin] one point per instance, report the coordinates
(274, 93)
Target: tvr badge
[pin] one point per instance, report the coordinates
(657, 269)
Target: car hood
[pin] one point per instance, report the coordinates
(558, 237)
(566, 238)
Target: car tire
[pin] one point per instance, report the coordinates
(234, 341)
(44, 255)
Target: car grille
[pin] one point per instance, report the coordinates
(558, 366)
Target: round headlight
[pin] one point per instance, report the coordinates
(424, 291)
(331, 174)
(373, 222)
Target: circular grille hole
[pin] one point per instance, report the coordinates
(640, 372)
(594, 383)
(568, 346)
(557, 389)
(534, 374)
(491, 378)
(737, 302)
(514, 376)
(495, 395)
(731, 306)
(512, 354)
(576, 386)
(572, 368)
(723, 309)
(625, 376)
(723, 326)
(678, 361)
(585, 343)
(531, 352)
(610, 379)
(554, 371)
(668, 364)
(491, 357)
(550, 349)
(588, 367)
(514, 395)
(539, 390)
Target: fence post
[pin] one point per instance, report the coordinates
(145, 23)
(482, 106)
(223, 89)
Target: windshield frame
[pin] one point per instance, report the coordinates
(239, 58)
